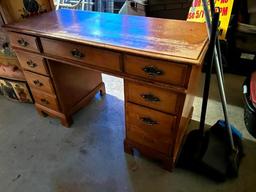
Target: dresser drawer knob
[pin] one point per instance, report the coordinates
(22, 42)
(77, 54)
(150, 98)
(31, 64)
(44, 101)
(38, 83)
(148, 121)
(152, 71)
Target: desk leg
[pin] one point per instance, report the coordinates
(66, 121)
(168, 164)
(102, 89)
(41, 113)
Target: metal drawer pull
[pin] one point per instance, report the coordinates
(31, 64)
(148, 121)
(153, 71)
(150, 98)
(38, 83)
(44, 101)
(22, 42)
(76, 53)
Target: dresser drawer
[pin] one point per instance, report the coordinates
(85, 54)
(24, 41)
(152, 123)
(32, 62)
(47, 100)
(39, 82)
(153, 97)
(157, 70)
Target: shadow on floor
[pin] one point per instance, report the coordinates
(38, 154)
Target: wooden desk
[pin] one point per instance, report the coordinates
(63, 54)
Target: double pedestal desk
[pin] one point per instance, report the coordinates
(63, 54)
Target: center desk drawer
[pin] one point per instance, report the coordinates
(32, 62)
(153, 97)
(85, 54)
(39, 82)
(157, 70)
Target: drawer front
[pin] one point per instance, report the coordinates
(24, 41)
(157, 70)
(148, 141)
(47, 100)
(32, 62)
(39, 82)
(153, 97)
(149, 124)
(85, 54)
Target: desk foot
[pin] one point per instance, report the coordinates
(41, 113)
(66, 121)
(168, 164)
(102, 89)
(128, 148)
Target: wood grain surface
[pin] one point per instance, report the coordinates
(172, 39)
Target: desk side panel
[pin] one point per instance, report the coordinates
(72, 84)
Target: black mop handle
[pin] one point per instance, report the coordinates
(209, 64)
(218, 72)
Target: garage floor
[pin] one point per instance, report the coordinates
(39, 155)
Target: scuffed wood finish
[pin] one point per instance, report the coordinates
(170, 39)
(159, 59)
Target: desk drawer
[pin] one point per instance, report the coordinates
(32, 62)
(47, 100)
(157, 70)
(153, 97)
(39, 82)
(85, 54)
(148, 141)
(24, 41)
(151, 123)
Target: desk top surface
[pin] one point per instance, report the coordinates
(170, 39)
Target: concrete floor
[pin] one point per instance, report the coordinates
(39, 155)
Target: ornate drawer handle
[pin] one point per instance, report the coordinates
(153, 71)
(148, 121)
(44, 101)
(31, 64)
(23, 43)
(76, 53)
(38, 83)
(150, 98)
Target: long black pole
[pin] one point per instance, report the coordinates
(209, 64)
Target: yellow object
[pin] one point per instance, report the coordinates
(196, 13)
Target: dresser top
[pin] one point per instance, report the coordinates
(162, 38)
